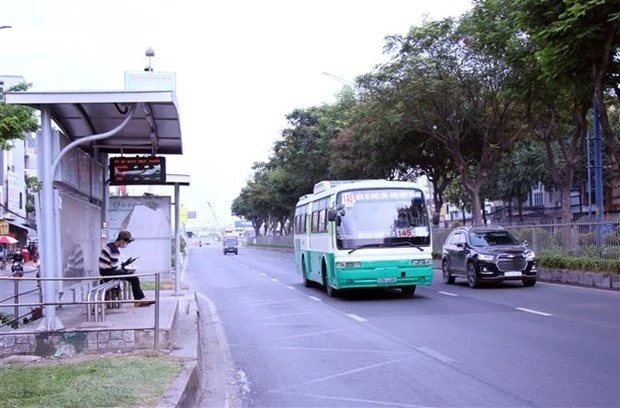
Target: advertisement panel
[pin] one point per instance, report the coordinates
(148, 219)
(16, 192)
(150, 81)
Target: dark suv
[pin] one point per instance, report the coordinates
(231, 244)
(487, 254)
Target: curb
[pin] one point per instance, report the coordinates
(185, 390)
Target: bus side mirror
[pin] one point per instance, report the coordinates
(332, 214)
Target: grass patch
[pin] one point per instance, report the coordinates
(164, 284)
(115, 381)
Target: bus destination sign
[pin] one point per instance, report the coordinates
(137, 170)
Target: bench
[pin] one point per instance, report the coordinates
(113, 289)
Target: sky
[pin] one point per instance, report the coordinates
(241, 66)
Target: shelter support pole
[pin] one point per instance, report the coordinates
(47, 235)
(177, 240)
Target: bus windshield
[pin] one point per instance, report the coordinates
(382, 217)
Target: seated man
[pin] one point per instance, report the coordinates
(108, 266)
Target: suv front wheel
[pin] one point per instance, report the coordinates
(447, 276)
(472, 276)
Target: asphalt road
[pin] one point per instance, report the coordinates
(448, 346)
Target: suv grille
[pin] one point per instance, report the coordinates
(506, 264)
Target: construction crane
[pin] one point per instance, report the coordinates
(215, 220)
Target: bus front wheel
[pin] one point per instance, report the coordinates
(304, 274)
(408, 291)
(331, 292)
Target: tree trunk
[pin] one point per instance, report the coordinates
(476, 208)
(256, 225)
(567, 218)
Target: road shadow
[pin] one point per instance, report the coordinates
(370, 294)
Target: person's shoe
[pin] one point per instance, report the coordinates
(144, 302)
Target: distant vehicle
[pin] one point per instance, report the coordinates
(487, 254)
(364, 234)
(231, 244)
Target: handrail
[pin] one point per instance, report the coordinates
(41, 304)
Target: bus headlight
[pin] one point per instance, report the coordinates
(343, 265)
(421, 262)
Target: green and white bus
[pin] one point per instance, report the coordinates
(364, 234)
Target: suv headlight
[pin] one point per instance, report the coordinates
(530, 255)
(484, 257)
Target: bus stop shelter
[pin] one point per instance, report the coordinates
(101, 123)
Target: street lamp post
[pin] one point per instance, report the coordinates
(150, 53)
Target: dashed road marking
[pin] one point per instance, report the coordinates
(290, 287)
(263, 273)
(356, 317)
(435, 354)
(316, 299)
(274, 279)
(533, 311)
(447, 293)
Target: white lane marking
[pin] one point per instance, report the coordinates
(356, 317)
(308, 334)
(435, 354)
(263, 273)
(316, 299)
(274, 279)
(290, 287)
(283, 315)
(342, 374)
(356, 401)
(447, 293)
(533, 311)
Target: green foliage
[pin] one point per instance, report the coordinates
(496, 99)
(556, 261)
(33, 185)
(15, 120)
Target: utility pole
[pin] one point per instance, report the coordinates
(598, 178)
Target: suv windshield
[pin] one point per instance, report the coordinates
(491, 238)
(230, 241)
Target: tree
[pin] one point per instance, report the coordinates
(33, 185)
(453, 88)
(513, 178)
(578, 41)
(16, 120)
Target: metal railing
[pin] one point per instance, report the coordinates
(598, 239)
(581, 239)
(40, 304)
(13, 320)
